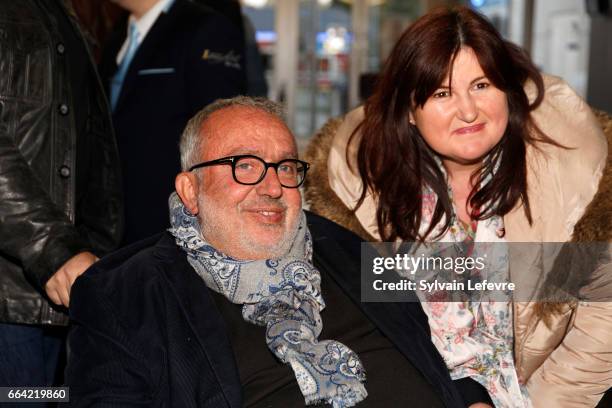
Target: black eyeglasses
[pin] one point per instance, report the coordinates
(249, 170)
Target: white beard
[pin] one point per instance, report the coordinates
(215, 229)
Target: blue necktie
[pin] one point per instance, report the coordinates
(117, 81)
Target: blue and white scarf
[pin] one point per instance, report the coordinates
(284, 295)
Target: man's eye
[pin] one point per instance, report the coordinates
(287, 168)
(244, 166)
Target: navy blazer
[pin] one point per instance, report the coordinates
(190, 57)
(146, 330)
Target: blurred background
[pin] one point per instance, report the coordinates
(319, 57)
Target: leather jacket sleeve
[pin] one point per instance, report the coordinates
(47, 213)
(32, 229)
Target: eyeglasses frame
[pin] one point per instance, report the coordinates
(232, 160)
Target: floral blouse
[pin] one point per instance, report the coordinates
(475, 336)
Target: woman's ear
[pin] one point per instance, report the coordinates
(411, 118)
(187, 187)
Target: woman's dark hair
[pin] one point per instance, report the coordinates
(393, 159)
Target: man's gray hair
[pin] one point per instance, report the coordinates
(191, 142)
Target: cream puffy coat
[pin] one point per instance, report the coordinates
(567, 363)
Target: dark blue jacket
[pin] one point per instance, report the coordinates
(146, 330)
(190, 57)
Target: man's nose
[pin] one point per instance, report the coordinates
(270, 185)
(467, 109)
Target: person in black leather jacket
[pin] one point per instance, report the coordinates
(60, 202)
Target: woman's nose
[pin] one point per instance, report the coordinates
(467, 109)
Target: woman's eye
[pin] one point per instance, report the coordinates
(441, 94)
(482, 85)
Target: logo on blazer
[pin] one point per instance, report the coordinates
(231, 59)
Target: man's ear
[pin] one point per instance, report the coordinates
(187, 187)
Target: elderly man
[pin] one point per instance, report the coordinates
(247, 300)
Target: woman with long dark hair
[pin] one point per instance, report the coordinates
(464, 141)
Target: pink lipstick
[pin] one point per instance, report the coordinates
(469, 129)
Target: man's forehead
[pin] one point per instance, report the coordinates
(245, 130)
(257, 151)
(243, 118)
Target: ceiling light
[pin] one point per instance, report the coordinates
(256, 3)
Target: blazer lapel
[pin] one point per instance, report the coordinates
(152, 43)
(194, 297)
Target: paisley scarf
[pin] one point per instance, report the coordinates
(284, 295)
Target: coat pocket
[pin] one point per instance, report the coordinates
(156, 71)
